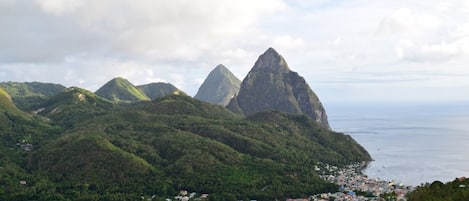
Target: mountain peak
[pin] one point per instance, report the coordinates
(121, 90)
(118, 79)
(219, 86)
(271, 60)
(272, 50)
(271, 85)
(220, 67)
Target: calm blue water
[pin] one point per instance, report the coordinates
(410, 143)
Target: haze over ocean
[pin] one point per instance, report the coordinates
(412, 143)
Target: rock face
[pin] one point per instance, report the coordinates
(159, 89)
(121, 90)
(219, 86)
(271, 85)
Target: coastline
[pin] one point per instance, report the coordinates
(357, 186)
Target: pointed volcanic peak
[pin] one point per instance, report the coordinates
(271, 85)
(159, 89)
(121, 90)
(219, 86)
(271, 61)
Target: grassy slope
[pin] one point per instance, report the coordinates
(121, 90)
(159, 89)
(7, 105)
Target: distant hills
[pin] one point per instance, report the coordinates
(180, 141)
(271, 85)
(121, 90)
(27, 94)
(125, 141)
(159, 89)
(219, 86)
(73, 105)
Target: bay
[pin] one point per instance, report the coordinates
(413, 143)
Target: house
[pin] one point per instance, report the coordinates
(183, 192)
(27, 147)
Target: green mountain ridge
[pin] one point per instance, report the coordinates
(7, 105)
(219, 86)
(159, 89)
(121, 90)
(74, 105)
(27, 95)
(177, 142)
(117, 144)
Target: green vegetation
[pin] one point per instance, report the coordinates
(7, 105)
(159, 89)
(74, 105)
(28, 94)
(437, 191)
(121, 90)
(93, 149)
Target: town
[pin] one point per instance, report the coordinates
(355, 186)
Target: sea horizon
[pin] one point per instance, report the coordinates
(410, 142)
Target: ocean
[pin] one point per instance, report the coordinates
(412, 143)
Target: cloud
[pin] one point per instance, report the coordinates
(442, 51)
(288, 42)
(59, 7)
(460, 31)
(148, 29)
(406, 20)
(87, 42)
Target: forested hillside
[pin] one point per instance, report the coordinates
(162, 146)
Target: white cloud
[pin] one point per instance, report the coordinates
(456, 47)
(88, 42)
(178, 80)
(59, 7)
(461, 31)
(401, 48)
(145, 28)
(288, 42)
(405, 20)
(337, 41)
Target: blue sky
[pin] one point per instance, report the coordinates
(352, 50)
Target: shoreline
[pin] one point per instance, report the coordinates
(357, 186)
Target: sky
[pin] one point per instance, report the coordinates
(353, 50)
